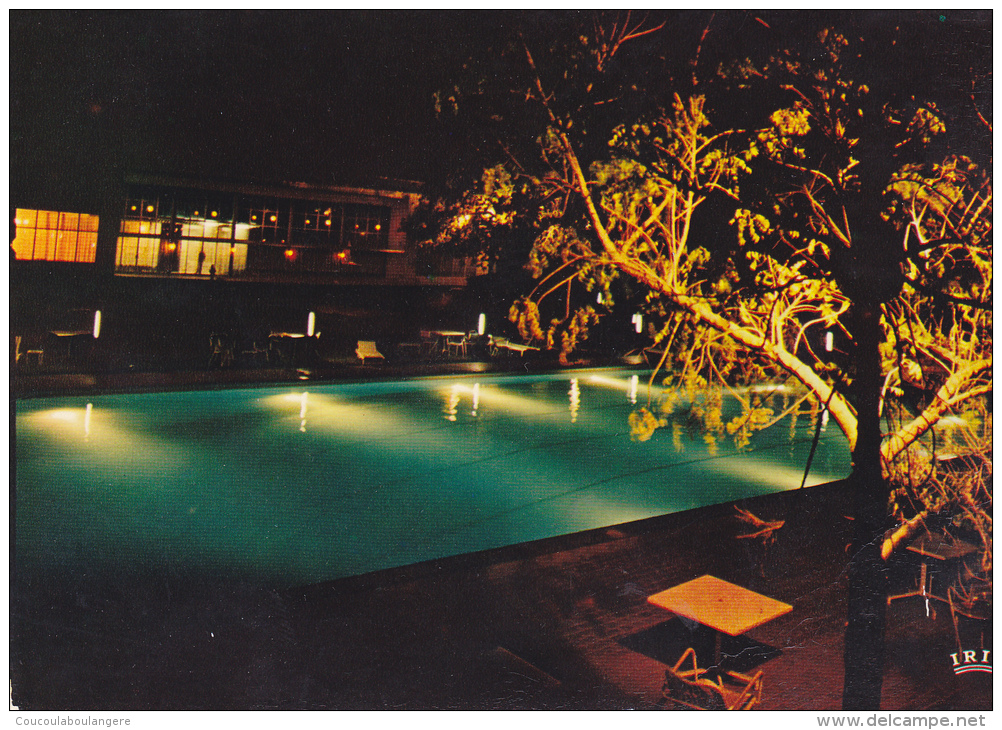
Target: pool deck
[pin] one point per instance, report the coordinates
(83, 382)
(561, 623)
(556, 624)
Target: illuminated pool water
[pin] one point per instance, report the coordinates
(290, 485)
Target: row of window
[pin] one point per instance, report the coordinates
(279, 222)
(136, 254)
(199, 235)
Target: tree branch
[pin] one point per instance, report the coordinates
(947, 397)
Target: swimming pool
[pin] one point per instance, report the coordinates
(295, 485)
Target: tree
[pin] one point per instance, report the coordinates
(852, 214)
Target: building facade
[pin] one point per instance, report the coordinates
(288, 233)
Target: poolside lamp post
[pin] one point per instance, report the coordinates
(481, 324)
(311, 323)
(638, 322)
(97, 323)
(829, 341)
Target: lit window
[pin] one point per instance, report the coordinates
(45, 235)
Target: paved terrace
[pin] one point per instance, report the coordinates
(557, 624)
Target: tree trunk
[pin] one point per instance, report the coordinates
(864, 636)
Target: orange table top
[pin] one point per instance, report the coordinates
(720, 605)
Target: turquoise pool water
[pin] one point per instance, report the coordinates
(295, 485)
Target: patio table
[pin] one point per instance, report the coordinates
(724, 607)
(69, 337)
(935, 547)
(450, 339)
(287, 345)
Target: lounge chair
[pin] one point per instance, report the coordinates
(500, 343)
(694, 688)
(367, 348)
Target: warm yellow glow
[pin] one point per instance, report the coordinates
(214, 214)
(614, 383)
(481, 324)
(302, 412)
(327, 413)
(634, 385)
(575, 394)
(253, 217)
(476, 399)
(97, 324)
(273, 219)
(134, 207)
(149, 208)
(290, 254)
(769, 474)
(506, 401)
(638, 323)
(307, 221)
(452, 402)
(829, 341)
(311, 323)
(121, 442)
(328, 221)
(378, 227)
(48, 235)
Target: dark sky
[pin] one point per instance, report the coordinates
(318, 96)
(303, 96)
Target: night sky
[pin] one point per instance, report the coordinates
(320, 96)
(326, 97)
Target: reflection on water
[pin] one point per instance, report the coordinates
(575, 394)
(452, 403)
(214, 482)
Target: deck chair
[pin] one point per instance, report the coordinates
(220, 351)
(255, 350)
(367, 348)
(696, 689)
